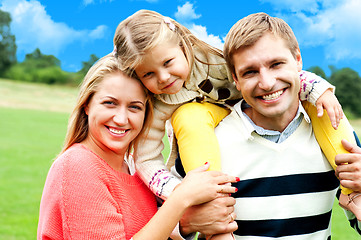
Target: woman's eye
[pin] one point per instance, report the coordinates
(136, 107)
(109, 103)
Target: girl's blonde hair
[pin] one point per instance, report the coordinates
(78, 127)
(144, 30)
(247, 31)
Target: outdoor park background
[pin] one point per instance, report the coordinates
(38, 88)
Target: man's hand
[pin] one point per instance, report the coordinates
(210, 218)
(349, 167)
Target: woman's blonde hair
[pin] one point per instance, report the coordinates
(144, 30)
(78, 127)
(247, 31)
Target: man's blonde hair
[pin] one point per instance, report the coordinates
(247, 31)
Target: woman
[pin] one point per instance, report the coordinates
(91, 191)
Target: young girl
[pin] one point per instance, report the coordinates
(179, 68)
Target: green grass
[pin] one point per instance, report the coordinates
(29, 141)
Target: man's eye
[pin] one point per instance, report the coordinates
(249, 73)
(277, 64)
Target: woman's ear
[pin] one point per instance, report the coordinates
(86, 109)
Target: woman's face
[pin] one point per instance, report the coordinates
(116, 113)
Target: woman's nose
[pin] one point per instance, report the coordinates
(121, 117)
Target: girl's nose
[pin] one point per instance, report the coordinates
(163, 76)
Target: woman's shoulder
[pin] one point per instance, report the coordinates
(76, 158)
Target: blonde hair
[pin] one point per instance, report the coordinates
(78, 127)
(247, 31)
(144, 30)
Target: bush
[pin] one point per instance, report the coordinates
(48, 75)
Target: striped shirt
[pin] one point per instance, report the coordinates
(287, 189)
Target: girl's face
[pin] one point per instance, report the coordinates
(115, 114)
(164, 69)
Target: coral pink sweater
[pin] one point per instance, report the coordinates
(84, 198)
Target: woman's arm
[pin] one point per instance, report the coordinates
(199, 186)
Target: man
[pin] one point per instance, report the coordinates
(287, 186)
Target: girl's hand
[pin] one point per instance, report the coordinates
(328, 101)
(200, 185)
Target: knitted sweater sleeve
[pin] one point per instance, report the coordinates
(150, 162)
(78, 204)
(312, 87)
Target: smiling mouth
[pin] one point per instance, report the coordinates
(273, 96)
(116, 131)
(169, 85)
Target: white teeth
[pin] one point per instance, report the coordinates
(116, 131)
(273, 95)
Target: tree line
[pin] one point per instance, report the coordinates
(38, 67)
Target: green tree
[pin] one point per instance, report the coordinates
(38, 60)
(318, 71)
(348, 89)
(38, 67)
(86, 65)
(7, 43)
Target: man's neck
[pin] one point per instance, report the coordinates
(275, 123)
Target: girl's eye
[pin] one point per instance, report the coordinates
(147, 74)
(167, 62)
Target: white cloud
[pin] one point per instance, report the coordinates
(294, 6)
(201, 33)
(34, 28)
(186, 14)
(88, 2)
(333, 24)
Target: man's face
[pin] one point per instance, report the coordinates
(267, 75)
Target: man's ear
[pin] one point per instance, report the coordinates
(236, 81)
(299, 60)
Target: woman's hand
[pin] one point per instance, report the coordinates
(200, 185)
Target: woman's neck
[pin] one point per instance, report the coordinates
(113, 159)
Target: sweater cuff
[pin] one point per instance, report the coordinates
(176, 235)
(313, 86)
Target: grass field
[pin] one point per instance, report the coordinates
(33, 121)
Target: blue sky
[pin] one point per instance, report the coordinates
(328, 31)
